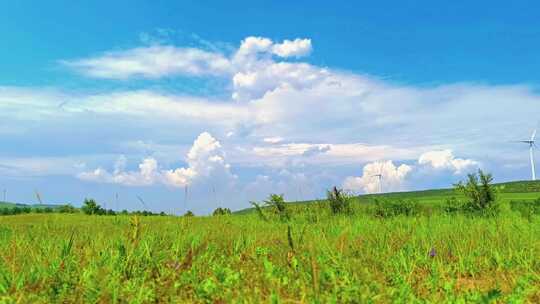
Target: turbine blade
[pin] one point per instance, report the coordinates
(533, 135)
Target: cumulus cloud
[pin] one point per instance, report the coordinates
(445, 160)
(393, 177)
(205, 160)
(267, 77)
(253, 45)
(297, 47)
(152, 62)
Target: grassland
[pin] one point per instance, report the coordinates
(315, 257)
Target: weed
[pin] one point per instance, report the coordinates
(338, 201)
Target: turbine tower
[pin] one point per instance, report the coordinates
(379, 176)
(532, 145)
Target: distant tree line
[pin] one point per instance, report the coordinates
(91, 207)
(27, 209)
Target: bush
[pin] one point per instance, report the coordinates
(277, 203)
(189, 214)
(338, 201)
(480, 192)
(453, 205)
(222, 211)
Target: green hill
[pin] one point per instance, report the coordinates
(516, 190)
(38, 206)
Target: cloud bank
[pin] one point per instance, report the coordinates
(275, 111)
(205, 160)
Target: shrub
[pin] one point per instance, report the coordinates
(338, 201)
(480, 192)
(453, 205)
(221, 211)
(189, 214)
(277, 203)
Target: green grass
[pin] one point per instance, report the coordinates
(359, 258)
(310, 256)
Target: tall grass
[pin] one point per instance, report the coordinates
(73, 258)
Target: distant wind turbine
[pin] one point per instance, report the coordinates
(142, 202)
(379, 176)
(38, 196)
(532, 145)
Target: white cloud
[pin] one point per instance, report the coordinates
(445, 160)
(393, 177)
(273, 140)
(152, 62)
(253, 45)
(268, 76)
(277, 155)
(205, 160)
(146, 175)
(297, 47)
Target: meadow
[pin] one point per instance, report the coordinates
(310, 256)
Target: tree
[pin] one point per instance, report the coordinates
(91, 207)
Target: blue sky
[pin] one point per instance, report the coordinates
(238, 100)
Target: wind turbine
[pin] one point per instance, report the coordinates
(532, 145)
(379, 176)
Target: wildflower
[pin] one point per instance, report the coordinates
(432, 252)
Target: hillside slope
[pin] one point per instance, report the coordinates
(516, 190)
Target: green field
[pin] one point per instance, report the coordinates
(314, 257)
